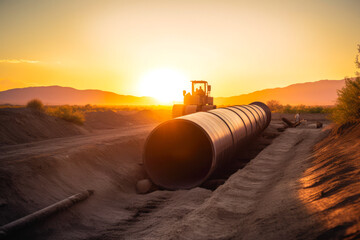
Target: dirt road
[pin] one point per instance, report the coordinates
(53, 146)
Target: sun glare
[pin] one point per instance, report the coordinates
(166, 85)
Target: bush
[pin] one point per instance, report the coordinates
(35, 104)
(274, 105)
(67, 113)
(347, 107)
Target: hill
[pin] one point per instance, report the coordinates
(322, 92)
(56, 95)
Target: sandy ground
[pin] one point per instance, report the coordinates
(266, 199)
(37, 174)
(257, 202)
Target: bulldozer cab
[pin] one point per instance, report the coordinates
(200, 88)
(198, 100)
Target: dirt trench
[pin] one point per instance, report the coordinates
(35, 175)
(261, 200)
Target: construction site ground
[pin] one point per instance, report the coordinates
(301, 183)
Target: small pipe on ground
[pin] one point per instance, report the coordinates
(289, 123)
(11, 227)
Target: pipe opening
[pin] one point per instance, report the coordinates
(266, 109)
(178, 155)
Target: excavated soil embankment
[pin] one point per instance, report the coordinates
(34, 178)
(331, 184)
(23, 125)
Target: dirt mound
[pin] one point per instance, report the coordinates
(150, 116)
(331, 185)
(22, 125)
(345, 129)
(37, 177)
(106, 120)
(111, 119)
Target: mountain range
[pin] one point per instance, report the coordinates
(56, 95)
(322, 92)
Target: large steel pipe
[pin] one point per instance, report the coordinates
(183, 152)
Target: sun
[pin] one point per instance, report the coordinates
(166, 85)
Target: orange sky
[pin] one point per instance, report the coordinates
(149, 47)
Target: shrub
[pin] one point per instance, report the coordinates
(347, 107)
(35, 104)
(288, 109)
(274, 105)
(67, 113)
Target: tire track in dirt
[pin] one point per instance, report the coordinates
(155, 212)
(140, 213)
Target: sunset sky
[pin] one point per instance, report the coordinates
(156, 47)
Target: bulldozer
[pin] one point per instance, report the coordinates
(199, 100)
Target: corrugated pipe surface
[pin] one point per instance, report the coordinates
(183, 152)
